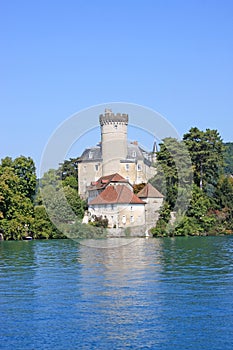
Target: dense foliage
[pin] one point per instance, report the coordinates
(228, 158)
(210, 210)
(22, 210)
(208, 202)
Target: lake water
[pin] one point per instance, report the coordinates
(173, 293)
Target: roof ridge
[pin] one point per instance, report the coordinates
(119, 194)
(149, 191)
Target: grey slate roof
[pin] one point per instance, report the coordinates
(134, 153)
(92, 154)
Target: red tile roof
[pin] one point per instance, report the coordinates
(104, 180)
(120, 194)
(149, 191)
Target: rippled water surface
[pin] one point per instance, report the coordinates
(147, 294)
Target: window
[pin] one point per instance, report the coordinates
(139, 167)
(131, 218)
(131, 208)
(96, 167)
(127, 167)
(115, 126)
(124, 219)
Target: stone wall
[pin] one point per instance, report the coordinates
(137, 231)
(88, 172)
(120, 215)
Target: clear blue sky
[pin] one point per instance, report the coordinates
(58, 57)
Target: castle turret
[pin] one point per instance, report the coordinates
(113, 140)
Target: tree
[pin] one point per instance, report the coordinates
(224, 200)
(162, 228)
(138, 187)
(42, 226)
(68, 168)
(17, 188)
(25, 169)
(60, 198)
(228, 158)
(206, 150)
(173, 170)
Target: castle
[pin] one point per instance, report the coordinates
(108, 171)
(114, 154)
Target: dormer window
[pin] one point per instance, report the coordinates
(90, 155)
(133, 154)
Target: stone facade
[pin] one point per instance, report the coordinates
(114, 154)
(116, 202)
(112, 197)
(154, 200)
(120, 215)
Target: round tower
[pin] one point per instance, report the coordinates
(113, 140)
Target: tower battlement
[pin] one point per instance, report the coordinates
(109, 117)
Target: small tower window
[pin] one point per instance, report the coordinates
(96, 167)
(115, 126)
(126, 166)
(131, 218)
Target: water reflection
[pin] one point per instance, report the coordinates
(17, 272)
(122, 282)
(160, 290)
(151, 293)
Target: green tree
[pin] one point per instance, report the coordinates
(42, 227)
(224, 200)
(228, 158)
(68, 168)
(162, 228)
(173, 170)
(25, 169)
(61, 199)
(17, 188)
(206, 150)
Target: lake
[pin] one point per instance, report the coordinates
(171, 293)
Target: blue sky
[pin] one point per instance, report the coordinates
(59, 57)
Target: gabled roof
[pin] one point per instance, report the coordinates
(119, 194)
(149, 191)
(105, 180)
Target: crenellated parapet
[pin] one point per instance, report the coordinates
(109, 117)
